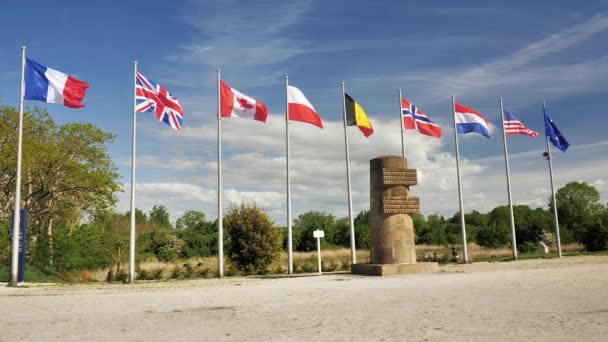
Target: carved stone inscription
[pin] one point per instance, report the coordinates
(407, 205)
(406, 177)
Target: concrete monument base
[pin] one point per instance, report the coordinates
(394, 269)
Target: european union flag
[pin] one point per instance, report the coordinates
(556, 137)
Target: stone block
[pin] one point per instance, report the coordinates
(394, 269)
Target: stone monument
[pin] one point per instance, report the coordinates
(393, 250)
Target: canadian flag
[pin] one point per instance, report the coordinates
(300, 108)
(235, 104)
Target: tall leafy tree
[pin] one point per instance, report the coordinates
(159, 216)
(578, 208)
(67, 172)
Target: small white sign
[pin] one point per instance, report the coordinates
(318, 234)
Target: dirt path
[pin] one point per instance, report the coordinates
(554, 299)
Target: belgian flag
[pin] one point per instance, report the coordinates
(355, 116)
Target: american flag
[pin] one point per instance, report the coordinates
(514, 126)
(151, 97)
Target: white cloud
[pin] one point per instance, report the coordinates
(254, 153)
(318, 171)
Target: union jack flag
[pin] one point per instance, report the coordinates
(514, 126)
(151, 97)
(414, 118)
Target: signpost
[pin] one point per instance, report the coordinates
(319, 234)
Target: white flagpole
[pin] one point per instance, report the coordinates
(353, 251)
(401, 124)
(465, 256)
(559, 244)
(17, 212)
(132, 239)
(289, 232)
(220, 216)
(511, 219)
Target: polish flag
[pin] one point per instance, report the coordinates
(235, 104)
(52, 86)
(300, 109)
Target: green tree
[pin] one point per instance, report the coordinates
(362, 230)
(67, 173)
(310, 221)
(254, 243)
(421, 229)
(436, 233)
(190, 219)
(199, 235)
(493, 235)
(530, 223)
(159, 216)
(342, 233)
(140, 216)
(579, 210)
(82, 247)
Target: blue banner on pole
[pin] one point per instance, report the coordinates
(22, 245)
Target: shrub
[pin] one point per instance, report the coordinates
(176, 272)
(142, 274)
(204, 272)
(309, 267)
(310, 221)
(279, 270)
(254, 243)
(493, 235)
(188, 271)
(157, 273)
(121, 276)
(526, 247)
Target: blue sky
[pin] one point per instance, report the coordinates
(478, 50)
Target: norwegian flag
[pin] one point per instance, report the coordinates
(514, 126)
(414, 118)
(151, 97)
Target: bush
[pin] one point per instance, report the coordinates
(595, 236)
(204, 272)
(362, 230)
(493, 235)
(142, 274)
(157, 273)
(176, 272)
(188, 271)
(254, 243)
(310, 221)
(526, 247)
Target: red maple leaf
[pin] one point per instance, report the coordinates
(244, 103)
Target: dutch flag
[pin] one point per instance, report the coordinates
(52, 86)
(469, 120)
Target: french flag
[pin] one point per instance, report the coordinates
(469, 120)
(52, 86)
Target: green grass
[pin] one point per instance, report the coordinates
(33, 275)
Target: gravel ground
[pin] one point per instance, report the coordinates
(557, 300)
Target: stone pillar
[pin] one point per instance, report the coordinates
(393, 249)
(392, 229)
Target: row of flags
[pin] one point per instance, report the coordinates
(49, 85)
(41, 83)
